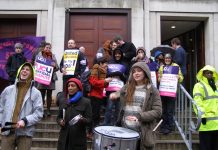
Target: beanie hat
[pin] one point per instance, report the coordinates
(140, 48)
(77, 82)
(168, 55)
(18, 45)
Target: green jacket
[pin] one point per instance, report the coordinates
(207, 100)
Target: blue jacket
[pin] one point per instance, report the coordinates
(180, 59)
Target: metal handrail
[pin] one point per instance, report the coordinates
(184, 116)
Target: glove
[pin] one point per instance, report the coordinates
(203, 121)
(82, 120)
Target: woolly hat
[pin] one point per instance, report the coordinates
(78, 83)
(140, 48)
(18, 45)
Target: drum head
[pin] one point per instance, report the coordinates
(116, 132)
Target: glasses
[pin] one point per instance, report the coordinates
(18, 48)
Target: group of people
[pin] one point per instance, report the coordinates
(121, 75)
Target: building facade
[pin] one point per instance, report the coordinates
(90, 22)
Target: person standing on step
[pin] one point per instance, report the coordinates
(80, 65)
(205, 94)
(140, 105)
(14, 62)
(72, 135)
(21, 109)
(47, 54)
(168, 102)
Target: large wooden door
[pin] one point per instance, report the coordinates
(92, 30)
(14, 27)
(17, 27)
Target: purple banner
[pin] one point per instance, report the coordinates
(170, 70)
(30, 44)
(116, 68)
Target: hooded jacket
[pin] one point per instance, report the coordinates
(31, 110)
(151, 109)
(206, 98)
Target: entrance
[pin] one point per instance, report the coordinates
(92, 27)
(191, 34)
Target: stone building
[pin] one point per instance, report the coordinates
(147, 23)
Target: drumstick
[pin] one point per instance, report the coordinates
(158, 125)
(63, 114)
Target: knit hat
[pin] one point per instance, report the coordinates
(78, 83)
(18, 45)
(140, 48)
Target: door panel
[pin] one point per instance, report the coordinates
(92, 30)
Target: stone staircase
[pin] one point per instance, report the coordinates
(47, 132)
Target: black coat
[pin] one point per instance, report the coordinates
(13, 64)
(74, 137)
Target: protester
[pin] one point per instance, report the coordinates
(104, 51)
(20, 105)
(117, 70)
(73, 134)
(47, 54)
(180, 55)
(98, 82)
(14, 62)
(168, 102)
(80, 65)
(140, 56)
(140, 105)
(39, 49)
(205, 95)
(128, 49)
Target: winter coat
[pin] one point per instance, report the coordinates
(54, 75)
(74, 137)
(206, 98)
(151, 109)
(13, 64)
(97, 81)
(31, 110)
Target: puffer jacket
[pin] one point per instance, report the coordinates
(31, 110)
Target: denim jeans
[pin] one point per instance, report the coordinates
(111, 112)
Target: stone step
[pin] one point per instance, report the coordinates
(45, 142)
(48, 125)
(46, 133)
(174, 145)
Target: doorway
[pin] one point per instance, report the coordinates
(191, 34)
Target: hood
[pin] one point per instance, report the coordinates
(200, 76)
(140, 48)
(144, 67)
(157, 53)
(117, 50)
(32, 69)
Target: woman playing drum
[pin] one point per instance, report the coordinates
(140, 105)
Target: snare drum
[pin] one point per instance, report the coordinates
(114, 138)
